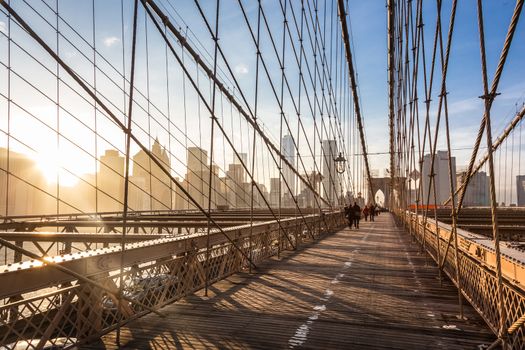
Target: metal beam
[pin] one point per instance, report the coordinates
(31, 275)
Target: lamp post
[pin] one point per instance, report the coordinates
(340, 163)
(340, 168)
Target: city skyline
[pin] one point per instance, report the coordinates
(151, 189)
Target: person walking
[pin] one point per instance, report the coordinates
(365, 212)
(349, 213)
(372, 212)
(357, 214)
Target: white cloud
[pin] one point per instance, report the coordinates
(241, 68)
(111, 40)
(465, 106)
(515, 93)
(3, 27)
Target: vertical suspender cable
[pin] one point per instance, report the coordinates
(127, 159)
(488, 98)
(210, 170)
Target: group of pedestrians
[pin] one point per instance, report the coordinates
(353, 213)
(370, 210)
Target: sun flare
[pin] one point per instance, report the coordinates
(57, 166)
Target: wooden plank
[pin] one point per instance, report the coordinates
(367, 288)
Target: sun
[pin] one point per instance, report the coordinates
(54, 167)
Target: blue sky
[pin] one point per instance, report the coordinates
(464, 78)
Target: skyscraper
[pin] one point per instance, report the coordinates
(520, 189)
(441, 180)
(477, 193)
(157, 182)
(198, 175)
(234, 181)
(274, 191)
(331, 183)
(16, 196)
(244, 158)
(288, 150)
(111, 181)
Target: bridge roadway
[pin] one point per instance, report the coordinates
(369, 288)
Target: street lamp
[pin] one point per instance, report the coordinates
(340, 163)
(340, 168)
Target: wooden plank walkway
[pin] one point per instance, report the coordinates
(366, 288)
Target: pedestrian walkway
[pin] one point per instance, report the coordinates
(368, 288)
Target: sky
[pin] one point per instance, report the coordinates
(167, 107)
(464, 84)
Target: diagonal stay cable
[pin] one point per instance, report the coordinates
(274, 91)
(217, 123)
(227, 93)
(499, 141)
(493, 90)
(254, 118)
(79, 81)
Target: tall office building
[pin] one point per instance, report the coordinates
(477, 193)
(234, 184)
(274, 192)
(306, 197)
(17, 197)
(198, 175)
(157, 182)
(288, 150)
(237, 161)
(441, 179)
(331, 182)
(520, 189)
(111, 181)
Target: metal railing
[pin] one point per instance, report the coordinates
(42, 304)
(477, 273)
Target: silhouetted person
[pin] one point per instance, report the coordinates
(365, 212)
(372, 212)
(357, 214)
(349, 213)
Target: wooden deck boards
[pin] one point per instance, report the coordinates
(367, 288)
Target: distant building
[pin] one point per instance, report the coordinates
(288, 150)
(111, 181)
(258, 197)
(244, 158)
(441, 179)
(306, 197)
(234, 185)
(157, 183)
(520, 189)
(17, 197)
(274, 192)
(331, 183)
(138, 198)
(478, 190)
(198, 176)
